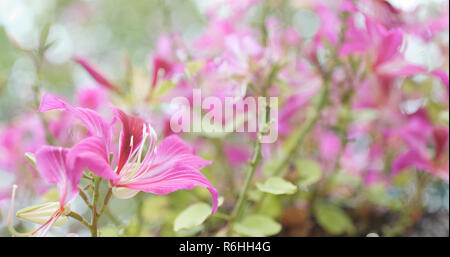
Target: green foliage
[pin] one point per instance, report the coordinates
(193, 216)
(257, 225)
(154, 208)
(333, 219)
(271, 206)
(277, 186)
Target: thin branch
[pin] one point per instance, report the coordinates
(80, 219)
(85, 197)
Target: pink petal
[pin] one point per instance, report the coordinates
(329, 146)
(236, 155)
(92, 154)
(160, 63)
(132, 129)
(389, 46)
(94, 73)
(93, 122)
(178, 177)
(172, 150)
(51, 163)
(91, 98)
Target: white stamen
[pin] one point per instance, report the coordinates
(11, 228)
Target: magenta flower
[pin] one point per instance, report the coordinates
(161, 170)
(382, 45)
(419, 156)
(53, 164)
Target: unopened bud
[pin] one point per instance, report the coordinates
(42, 213)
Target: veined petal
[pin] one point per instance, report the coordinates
(51, 162)
(92, 120)
(92, 153)
(173, 150)
(175, 178)
(130, 137)
(51, 102)
(94, 73)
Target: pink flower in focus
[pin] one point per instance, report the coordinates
(163, 169)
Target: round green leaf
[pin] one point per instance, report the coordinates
(333, 219)
(257, 225)
(277, 186)
(310, 172)
(193, 216)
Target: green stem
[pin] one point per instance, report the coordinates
(251, 172)
(84, 197)
(310, 123)
(94, 222)
(105, 201)
(254, 162)
(80, 219)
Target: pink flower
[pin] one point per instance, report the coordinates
(382, 45)
(163, 169)
(419, 157)
(91, 98)
(24, 134)
(53, 164)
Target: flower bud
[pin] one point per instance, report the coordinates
(42, 213)
(123, 192)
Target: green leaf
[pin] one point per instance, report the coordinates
(193, 216)
(277, 186)
(269, 167)
(109, 231)
(271, 206)
(333, 219)
(190, 231)
(344, 178)
(154, 209)
(310, 172)
(257, 225)
(44, 35)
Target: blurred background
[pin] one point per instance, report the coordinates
(114, 34)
